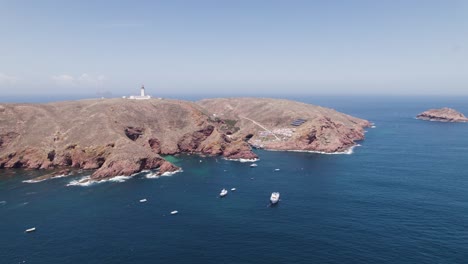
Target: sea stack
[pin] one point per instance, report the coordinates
(442, 115)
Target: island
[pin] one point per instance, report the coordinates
(442, 115)
(115, 137)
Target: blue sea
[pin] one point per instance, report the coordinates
(401, 197)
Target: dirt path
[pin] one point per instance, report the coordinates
(260, 125)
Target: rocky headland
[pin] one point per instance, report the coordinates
(442, 115)
(117, 137)
(269, 124)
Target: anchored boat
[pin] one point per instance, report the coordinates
(223, 193)
(274, 198)
(30, 230)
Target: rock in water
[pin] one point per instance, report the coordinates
(442, 115)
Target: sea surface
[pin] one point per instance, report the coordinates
(400, 197)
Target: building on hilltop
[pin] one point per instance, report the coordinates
(142, 95)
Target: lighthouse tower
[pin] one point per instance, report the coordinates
(142, 93)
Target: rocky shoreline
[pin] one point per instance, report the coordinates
(442, 115)
(118, 137)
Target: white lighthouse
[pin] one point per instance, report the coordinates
(142, 95)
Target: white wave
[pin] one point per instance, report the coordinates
(45, 179)
(59, 176)
(155, 175)
(373, 126)
(118, 179)
(349, 151)
(85, 181)
(34, 181)
(152, 175)
(3, 202)
(170, 173)
(243, 160)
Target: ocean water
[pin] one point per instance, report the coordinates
(401, 197)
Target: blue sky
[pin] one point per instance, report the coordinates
(234, 47)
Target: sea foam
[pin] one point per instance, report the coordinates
(41, 180)
(86, 181)
(348, 151)
(155, 175)
(243, 160)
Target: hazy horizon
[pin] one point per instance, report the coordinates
(234, 48)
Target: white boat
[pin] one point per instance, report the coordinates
(143, 200)
(223, 193)
(274, 198)
(253, 165)
(30, 230)
(233, 189)
(174, 212)
(277, 169)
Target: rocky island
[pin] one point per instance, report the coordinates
(117, 137)
(442, 115)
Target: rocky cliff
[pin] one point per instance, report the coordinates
(442, 115)
(277, 124)
(123, 137)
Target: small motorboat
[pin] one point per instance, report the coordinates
(274, 198)
(174, 212)
(143, 201)
(223, 193)
(253, 165)
(233, 189)
(30, 230)
(277, 169)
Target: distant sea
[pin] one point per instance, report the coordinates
(401, 197)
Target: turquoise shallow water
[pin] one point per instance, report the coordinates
(401, 197)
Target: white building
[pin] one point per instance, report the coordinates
(142, 95)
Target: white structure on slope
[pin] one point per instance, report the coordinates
(142, 95)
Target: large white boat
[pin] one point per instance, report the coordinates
(274, 198)
(223, 193)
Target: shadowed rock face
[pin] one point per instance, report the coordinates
(442, 115)
(123, 137)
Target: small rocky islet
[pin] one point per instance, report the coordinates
(442, 115)
(119, 136)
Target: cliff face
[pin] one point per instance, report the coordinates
(442, 115)
(267, 123)
(114, 136)
(122, 137)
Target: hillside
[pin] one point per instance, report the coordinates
(267, 123)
